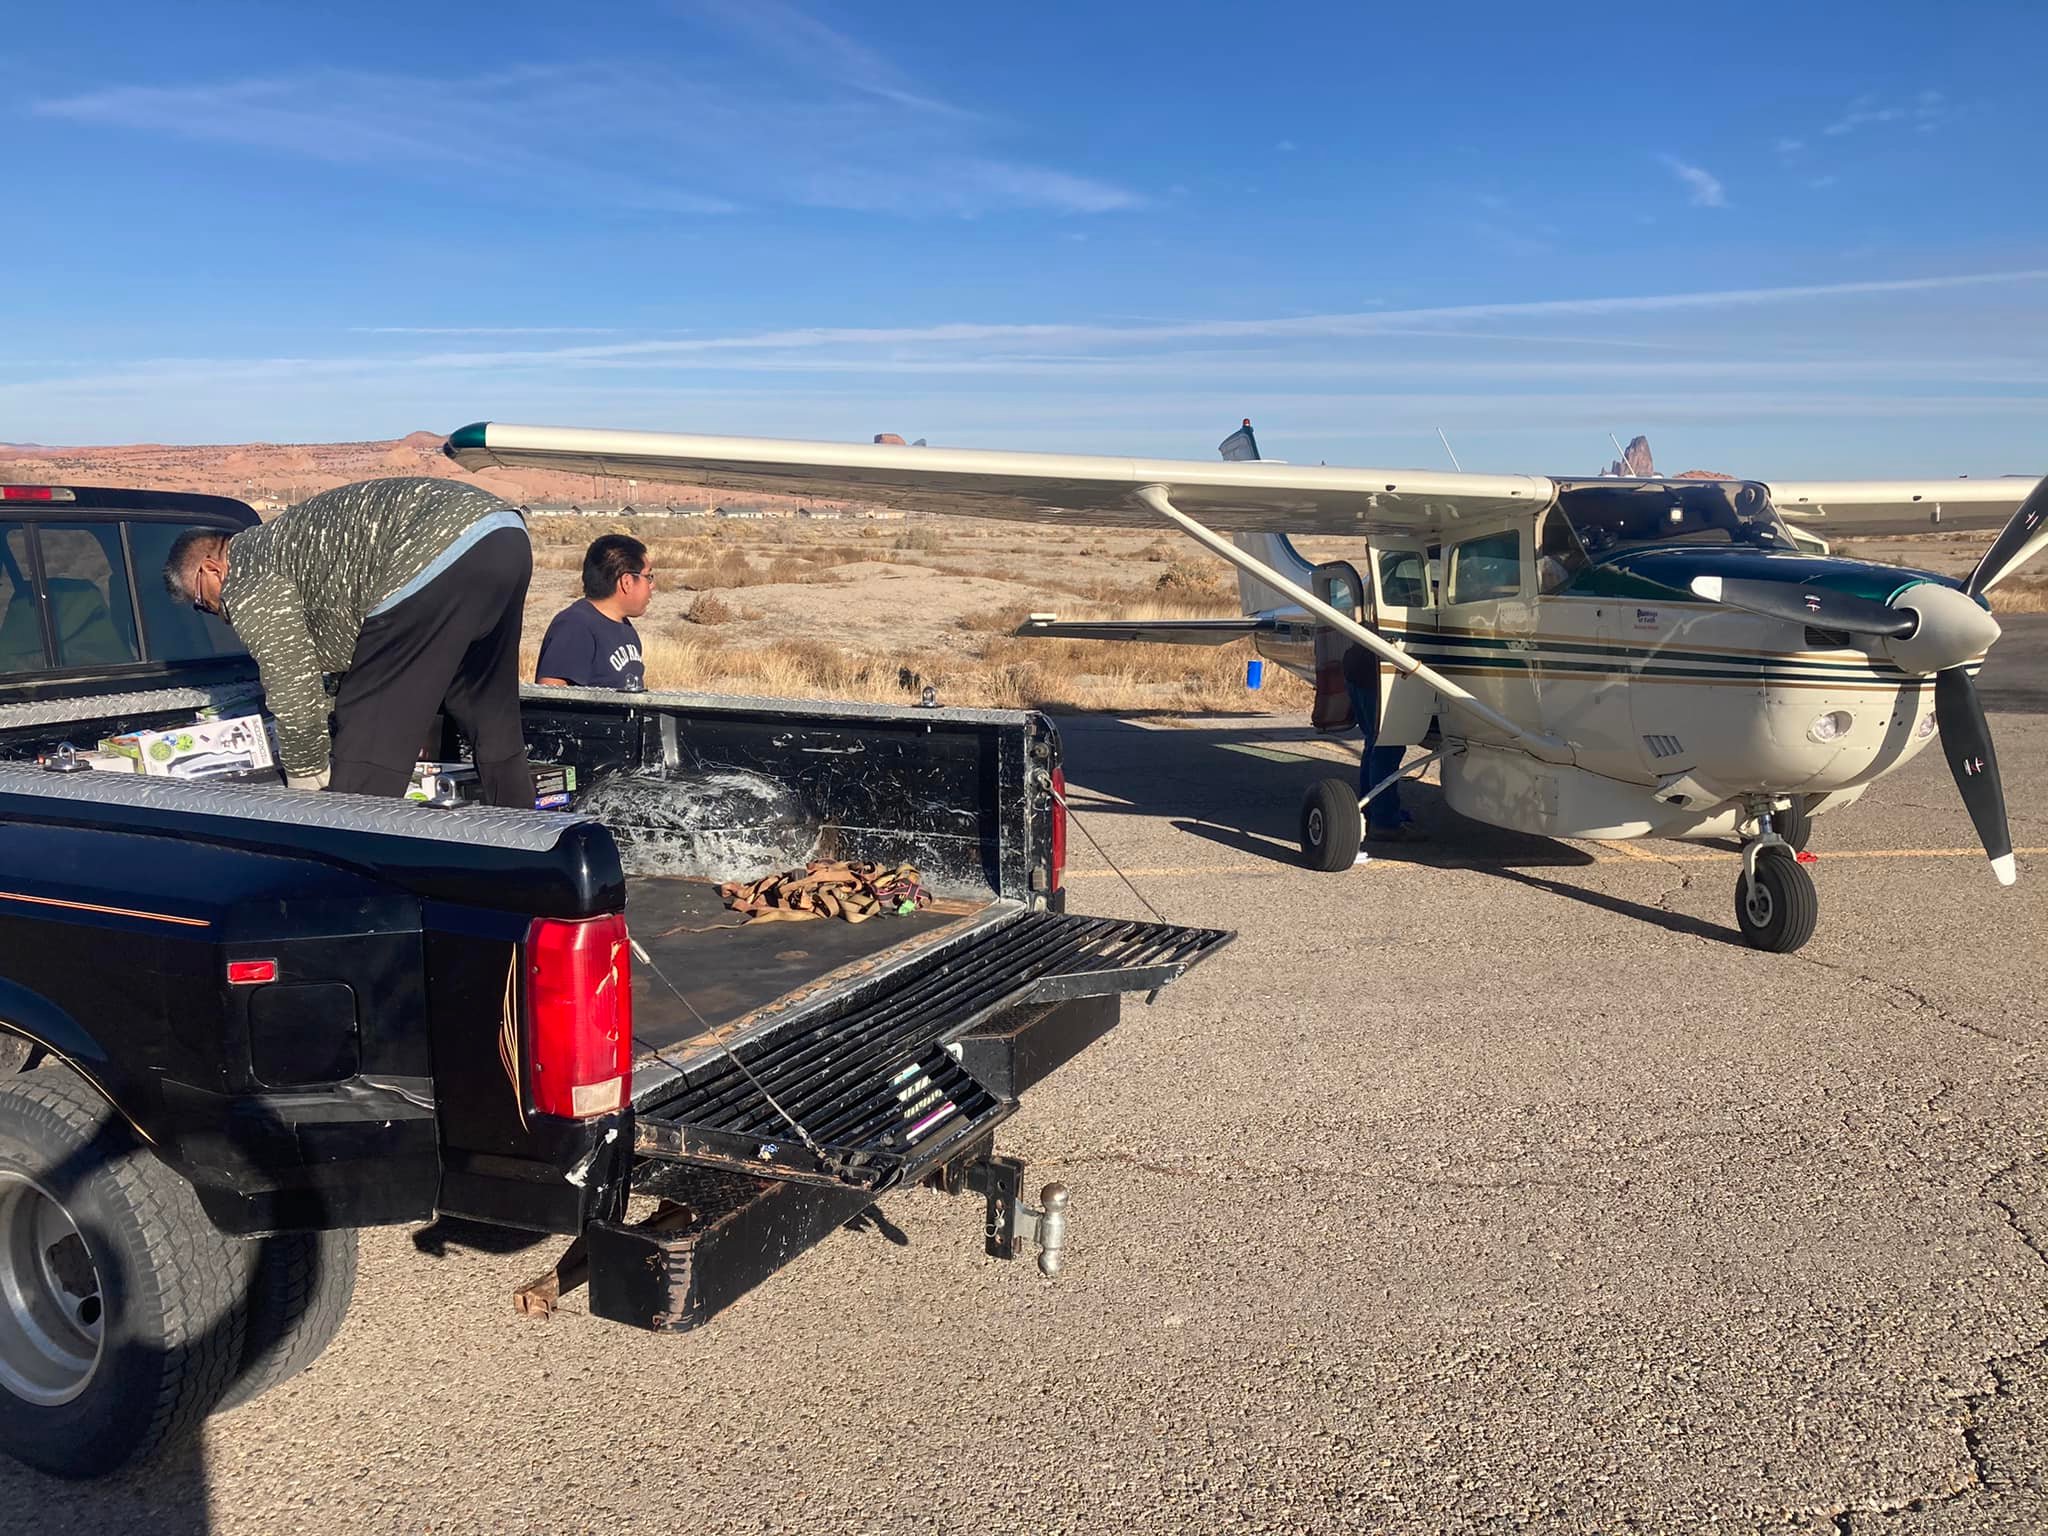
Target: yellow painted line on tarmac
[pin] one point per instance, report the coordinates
(1630, 850)
(1626, 855)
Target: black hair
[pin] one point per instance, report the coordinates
(187, 550)
(608, 559)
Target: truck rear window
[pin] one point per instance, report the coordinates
(85, 584)
(176, 631)
(21, 629)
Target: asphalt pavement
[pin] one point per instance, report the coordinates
(1492, 1186)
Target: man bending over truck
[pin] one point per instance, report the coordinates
(413, 590)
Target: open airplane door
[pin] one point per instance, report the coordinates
(1405, 599)
(1337, 583)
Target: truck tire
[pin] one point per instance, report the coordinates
(298, 1296)
(121, 1316)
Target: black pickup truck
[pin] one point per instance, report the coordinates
(238, 1022)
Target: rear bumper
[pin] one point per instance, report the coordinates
(722, 1231)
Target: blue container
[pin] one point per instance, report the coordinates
(1255, 673)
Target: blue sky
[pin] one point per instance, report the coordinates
(1779, 240)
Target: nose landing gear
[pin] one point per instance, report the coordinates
(1776, 905)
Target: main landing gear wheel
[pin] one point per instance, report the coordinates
(1332, 830)
(1777, 910)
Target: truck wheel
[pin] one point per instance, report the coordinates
(120, 1304)
(1331, 827)
(298, 1297)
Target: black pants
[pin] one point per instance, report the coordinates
(452, 645)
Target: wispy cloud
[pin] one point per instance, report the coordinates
(1703, 186)
(806, 116)
(1924, 112)
(484, 330)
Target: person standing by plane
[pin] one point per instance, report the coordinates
(1385, 821)
(592, 643)
(413, 590)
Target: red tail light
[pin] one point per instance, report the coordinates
(1059, 827)
(579, 1015)
(35, 493)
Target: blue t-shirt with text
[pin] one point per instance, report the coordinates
(588, 650)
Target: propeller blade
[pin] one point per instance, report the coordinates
(2017, 543)
(1806, 605)
(1966, 739)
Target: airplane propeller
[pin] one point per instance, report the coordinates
(1816, 606)
(1926, 628)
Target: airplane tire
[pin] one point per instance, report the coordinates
(1795, 825)
(1777, 911)
(1332, 830)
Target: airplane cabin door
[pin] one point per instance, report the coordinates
(1406, 601)
(1337, 583)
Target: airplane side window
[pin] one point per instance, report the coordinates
(1486, 568)
(1404, 582)
(1559, 556)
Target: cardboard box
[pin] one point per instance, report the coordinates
(456, 784)
(202, 750)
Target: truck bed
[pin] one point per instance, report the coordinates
(731, 971)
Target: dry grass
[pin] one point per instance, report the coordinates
(711, 640)
(2020, 594)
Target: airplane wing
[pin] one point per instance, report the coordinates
(1249, 496)
(1906, 506)
(1158, 631)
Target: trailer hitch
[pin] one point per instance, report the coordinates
(1012, 1224)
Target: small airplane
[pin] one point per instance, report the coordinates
(1597, 657)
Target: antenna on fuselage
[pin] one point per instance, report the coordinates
(1451, 451)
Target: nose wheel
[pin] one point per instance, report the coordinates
(1776, 905)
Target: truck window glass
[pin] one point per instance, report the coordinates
(21, 631)
(85, 583)
(1486, 568)
(176, 631)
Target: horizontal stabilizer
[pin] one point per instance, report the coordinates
(1157, 631)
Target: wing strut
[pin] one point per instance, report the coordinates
(1546, 749)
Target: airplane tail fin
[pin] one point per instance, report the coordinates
(1253, 595)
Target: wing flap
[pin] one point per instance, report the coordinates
(1251, 496)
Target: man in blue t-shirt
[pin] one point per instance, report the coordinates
(592, 642)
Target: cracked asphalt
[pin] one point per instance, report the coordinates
(1491, 1187)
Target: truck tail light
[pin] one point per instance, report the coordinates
(1059, 827)
(579, 1015)
(35, 493)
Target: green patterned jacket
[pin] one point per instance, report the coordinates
(300, 586)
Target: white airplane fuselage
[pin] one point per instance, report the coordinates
(1680, 714)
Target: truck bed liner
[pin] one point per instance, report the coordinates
(730, 968)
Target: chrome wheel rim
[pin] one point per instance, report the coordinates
(52, 1313)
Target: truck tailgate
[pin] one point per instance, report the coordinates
(875, 1082)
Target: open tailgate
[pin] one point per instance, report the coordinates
(876, 1083)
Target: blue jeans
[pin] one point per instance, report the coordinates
(1375, 762)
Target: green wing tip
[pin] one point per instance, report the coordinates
(471, 436)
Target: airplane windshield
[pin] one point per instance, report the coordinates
(1611, 519)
